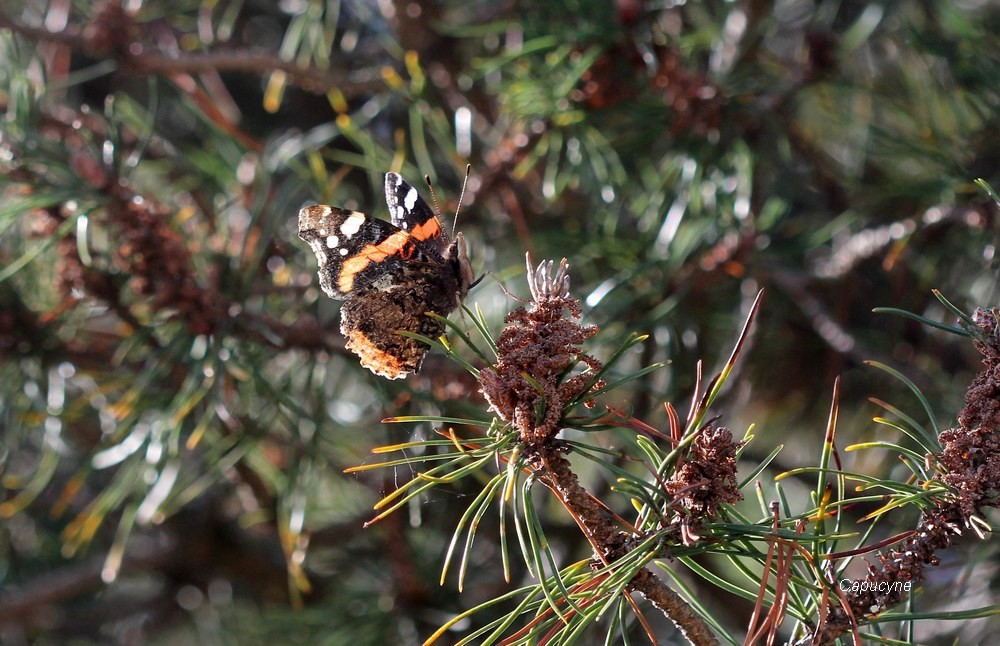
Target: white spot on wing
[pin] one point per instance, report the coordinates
(411, 199)
(332, 242)
(343, 251)
(352, 224)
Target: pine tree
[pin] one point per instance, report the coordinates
(645, 442)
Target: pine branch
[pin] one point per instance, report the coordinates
(113, 32)
(611, 544)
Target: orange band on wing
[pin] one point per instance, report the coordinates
(391, 246)
(369, 254)
(427, 230)
(375, 359)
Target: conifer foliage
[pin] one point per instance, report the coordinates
(744, 389)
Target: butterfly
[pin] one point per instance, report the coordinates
(390, 275)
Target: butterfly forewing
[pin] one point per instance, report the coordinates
(410, 212)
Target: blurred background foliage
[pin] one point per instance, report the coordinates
(176, 405)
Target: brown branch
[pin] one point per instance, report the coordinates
(544, 340)
(969, 464)
(71, 36)
(252, 61)
(610, 544)
(673, 606)
(140, 60)
(20, 604)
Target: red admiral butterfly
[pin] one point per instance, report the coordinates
(390, 275)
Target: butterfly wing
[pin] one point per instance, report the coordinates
(411, 213)
(357, 253)
(390, 274)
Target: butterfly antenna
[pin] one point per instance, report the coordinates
(465, 183)
(434, 198)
